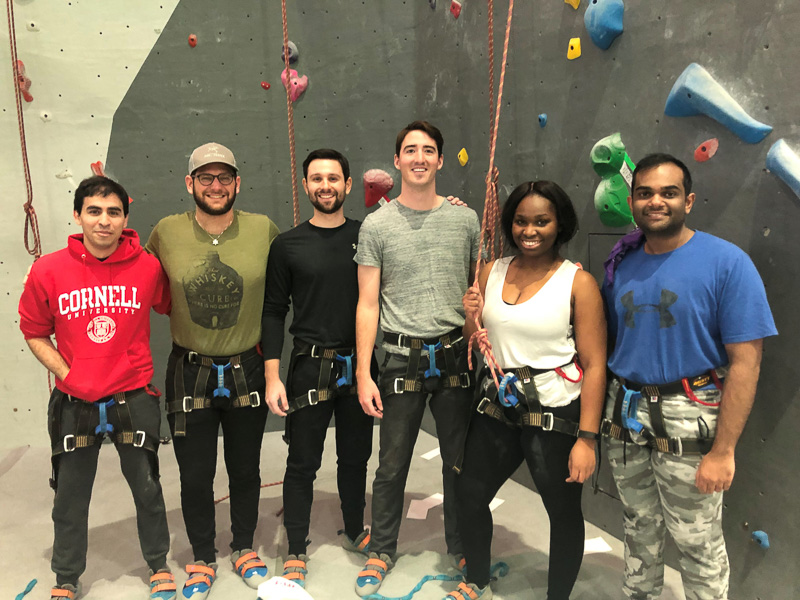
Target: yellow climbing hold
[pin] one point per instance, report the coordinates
(573, 3)
(574, 49)
(463, 157)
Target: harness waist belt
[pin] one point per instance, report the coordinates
(407, 341)
(433, 377)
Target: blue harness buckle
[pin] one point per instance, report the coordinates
(432, 371)
(104, 426)
(630, 404)
(504, 394)
(221, 389)
(347, 374)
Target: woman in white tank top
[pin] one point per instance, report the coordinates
(543, 312)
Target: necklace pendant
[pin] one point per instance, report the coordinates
(215, 242)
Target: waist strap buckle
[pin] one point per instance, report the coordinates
(69, 443)
(255, 399)
(138, 439)
(313, 397)
(187, 404)
(483, 404)
(547, 421)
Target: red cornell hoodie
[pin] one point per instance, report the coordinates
(99, 312)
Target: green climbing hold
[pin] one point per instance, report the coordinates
(612, 163)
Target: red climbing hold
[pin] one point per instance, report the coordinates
(706, 150)
(455, 8)
(193, 40)
(377, 184)
(265, 85)
(24, 82)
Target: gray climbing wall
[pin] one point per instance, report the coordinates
(376, 65)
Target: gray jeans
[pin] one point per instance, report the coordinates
(399, 428)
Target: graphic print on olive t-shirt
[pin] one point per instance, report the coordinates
(665, 318)
(214, 293)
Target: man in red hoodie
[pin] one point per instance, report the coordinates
(95, 295)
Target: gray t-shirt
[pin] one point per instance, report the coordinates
(424, 257)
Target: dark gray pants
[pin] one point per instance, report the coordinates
(399, 428)
(76, 472)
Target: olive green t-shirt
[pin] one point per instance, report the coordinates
(217, 290)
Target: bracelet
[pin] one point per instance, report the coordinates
(589, 435)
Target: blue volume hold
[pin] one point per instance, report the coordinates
(761, 538)
(542, 120)
(784, 162)
(696, 92)
(603, 21)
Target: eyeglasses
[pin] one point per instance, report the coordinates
(208, 178)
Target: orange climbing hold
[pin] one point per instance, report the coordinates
(24, 82)
(193, 40)
(706, 150)
(455, 8)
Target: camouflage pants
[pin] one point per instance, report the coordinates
(658, 495)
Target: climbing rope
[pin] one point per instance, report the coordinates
(290, 110)
(500, 569)
(491, 210)
(32, 239)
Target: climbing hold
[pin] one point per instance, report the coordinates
(32, 26)
(24, 82)
(612, 163)
(294, 54)
(603, 21)
(542, 120)
(377, 184)
(193, 40)
(574, 50)
(455, 8)
(45, 116)
(265, 85)
(706, 150)
(573, 3)
(696, 92)
(761, 538)
(296, 85)
(463, 157)
(97, 168)
(65, 174)
(432, 3)
(785, 164)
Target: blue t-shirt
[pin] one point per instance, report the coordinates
(672, 313)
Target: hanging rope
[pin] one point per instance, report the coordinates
(32, 239)
(491, 209)
(290, 110)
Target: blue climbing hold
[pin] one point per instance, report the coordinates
(761, 538)
(542, 120)
(603, 21)
(696, 92)
(784, 162)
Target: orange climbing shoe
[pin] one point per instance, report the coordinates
(250, 567)
(294, 569)
(469, 591)
(65, 592)
(162, 585)
(371, 577)
(359, 545)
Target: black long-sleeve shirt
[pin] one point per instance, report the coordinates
(313, 268)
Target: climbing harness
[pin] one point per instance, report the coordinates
(629, 394)
(517, 391)
(433, 377)
(85, 434)
(499, 569)
(332, 361)
(183, 403)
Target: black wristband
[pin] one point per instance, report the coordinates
(589, 435)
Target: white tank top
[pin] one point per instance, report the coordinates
(535, 333)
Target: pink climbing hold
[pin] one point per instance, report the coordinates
(265, 85)
(377, 184)
(296, 85)
(455, 8)
(24, 82)
(193, 40)
(706, 150)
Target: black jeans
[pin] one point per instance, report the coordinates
(75, 475)
(492, 454)
(399, 428)
(196, 453)
(306, 430)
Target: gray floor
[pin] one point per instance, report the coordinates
(116, 571)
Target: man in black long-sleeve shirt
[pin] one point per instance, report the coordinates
(312, 267)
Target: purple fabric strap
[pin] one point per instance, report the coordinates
(629, 241)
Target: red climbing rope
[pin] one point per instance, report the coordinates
(290, 110)
(31, 232)
(263, 485)
(491, 209)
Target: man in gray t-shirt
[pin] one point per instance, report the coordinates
(416, 258)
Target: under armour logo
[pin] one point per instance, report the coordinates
(666, 319)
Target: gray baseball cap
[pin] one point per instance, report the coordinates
(211, 153)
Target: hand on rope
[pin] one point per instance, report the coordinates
(473, 308)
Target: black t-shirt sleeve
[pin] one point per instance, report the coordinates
(276, 300)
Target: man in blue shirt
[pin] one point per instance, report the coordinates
(687, 316)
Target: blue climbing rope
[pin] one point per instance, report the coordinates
(499, 569)
(27, 589)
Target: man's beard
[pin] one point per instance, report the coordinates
(215, 212)
(333, 208)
